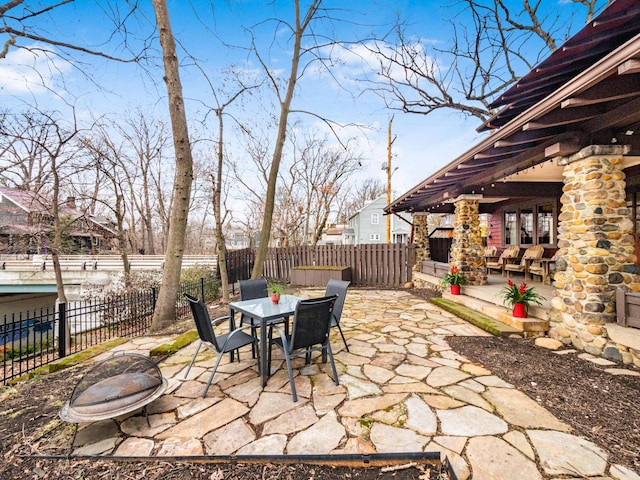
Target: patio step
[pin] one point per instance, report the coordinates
(486, 323)
(528, 327)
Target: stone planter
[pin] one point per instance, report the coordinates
(312, 276)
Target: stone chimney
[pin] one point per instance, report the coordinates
(71, 202)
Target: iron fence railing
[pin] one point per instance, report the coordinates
(31, 339)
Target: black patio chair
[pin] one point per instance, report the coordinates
(310, 332)
(218, 344)
(251, 290)
(339, 288)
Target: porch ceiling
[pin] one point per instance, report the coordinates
(586, 93)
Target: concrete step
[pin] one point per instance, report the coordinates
(531, 326)
(476, 318)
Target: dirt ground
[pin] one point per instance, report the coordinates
(599, 406)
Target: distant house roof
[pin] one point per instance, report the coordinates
(32, 202)
(585, 93)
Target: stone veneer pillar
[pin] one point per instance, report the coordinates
(466, 250)
(421, 238)
(595, 251)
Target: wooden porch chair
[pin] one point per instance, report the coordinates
(543, 268)
(499, 264)
(489, 253)
(530, 254)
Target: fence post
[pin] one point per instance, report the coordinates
(62, 330)
(202, 289)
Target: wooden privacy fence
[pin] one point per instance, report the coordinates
(387, 265)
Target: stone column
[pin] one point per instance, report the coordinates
(420, 238)
(466, 250)
(595, 248)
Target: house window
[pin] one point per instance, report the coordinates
(545, 224)
(375, 218)
(510, 229)
(532, 224)
(374, 236)
(526, 226)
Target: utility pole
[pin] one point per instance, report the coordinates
(389, 179)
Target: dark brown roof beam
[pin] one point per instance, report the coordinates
(570, 61)
(524, 137)
(561, 76)
(445, 181)
(607, 36)
(565, 66)
(607, 16)
(620, 117)
(520, 189)
(509, 166)
(630, 66)
(458, 174)
(564, 117)
(614, 88)
(478, 164)
(562, 149)
(502, 152)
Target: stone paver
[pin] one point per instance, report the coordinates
(492, 458)
(470, 421)
(565, 454)
(402, 389)
(388, 439)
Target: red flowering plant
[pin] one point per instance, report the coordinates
(512, 294)
(453, 277)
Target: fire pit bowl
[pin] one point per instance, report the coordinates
(113, 387)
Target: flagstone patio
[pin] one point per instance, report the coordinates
(402, 389)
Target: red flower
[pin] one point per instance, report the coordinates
(513, 294)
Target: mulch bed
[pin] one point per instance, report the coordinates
(599, 406)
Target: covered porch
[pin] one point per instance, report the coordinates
(560, 170)
(486, 300)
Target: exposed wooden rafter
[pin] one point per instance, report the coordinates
(616, 88)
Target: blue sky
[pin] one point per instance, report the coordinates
(422, 144)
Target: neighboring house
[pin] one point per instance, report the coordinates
(369, 225)
(333, 234)
(560, 169)
(26, 224)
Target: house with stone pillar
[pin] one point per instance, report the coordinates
(560, 168)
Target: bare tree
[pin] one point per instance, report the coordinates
(49, 140)
(165, 310)
(493, 44)
(105, 156)
(285, 97)
(223, 101)
(359, 195)
(146, 140)
(24, 162)
(23, 24)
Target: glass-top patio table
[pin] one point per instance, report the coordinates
(264, 311)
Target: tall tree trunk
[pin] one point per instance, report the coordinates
(165, 311)
(285, 108)
(221, 246)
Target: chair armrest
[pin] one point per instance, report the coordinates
(217, 321)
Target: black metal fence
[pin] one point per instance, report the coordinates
(31, 339)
